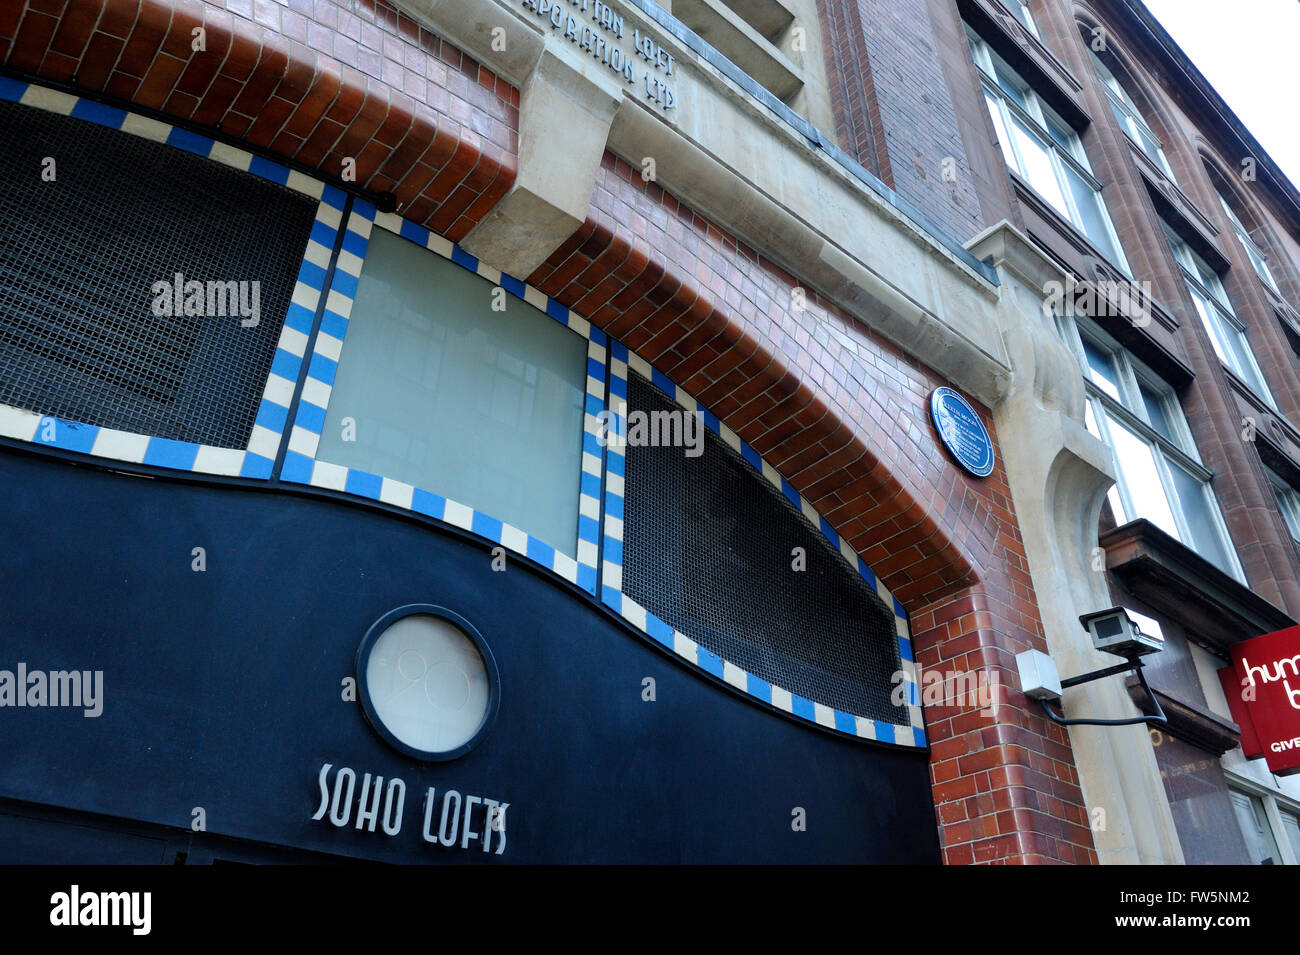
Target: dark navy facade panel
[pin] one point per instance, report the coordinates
(223, 692)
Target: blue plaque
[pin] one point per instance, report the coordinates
(962, 432)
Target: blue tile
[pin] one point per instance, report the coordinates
(541, 552)
(334, 196)
(463, 258)
(311, 274)
(354, 243)
(332, 323)
(485, 526)
(272, 416)
(845, 723)
(595, 369)
(618, 386)
(69, 435)
(905, 648)
(512, 285)
(300, 319)
(898, 609)
(11, 89)
(750, 455)
(611, 598)
(98, 113)
(613, 551)
(918, 735)
(598, 336)
(614, 506)
(588, 529)
(166, 453)
(322, 369)
(190, 142)
(324, 234)
(256, 466)
(791, 494)
(590, 485)
(364, 209)
(829, 531)
(310, 416)
(286, 364)
(591, 444)
(884, 732)
(415, 233)
(269, 170)
(434, 505)
(363, 484)
(709, 662)
(557, 311)
(587, 578)
(614, 462)
(663, 382)
(710, 420)
(867, 574)
(758, 687)
(659, 630)
(618, 350)
(802, 707)
(593, 405)
(297, 468)
(344, 283)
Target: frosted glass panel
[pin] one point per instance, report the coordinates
(479, 406)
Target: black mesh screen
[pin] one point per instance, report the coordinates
(79, 257)
(708, 547)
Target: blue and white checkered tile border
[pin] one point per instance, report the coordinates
(258, 458)
(910, 734)
(302, 466)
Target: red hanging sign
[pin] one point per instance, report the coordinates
(1263, 690)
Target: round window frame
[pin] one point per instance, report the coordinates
(377, 629)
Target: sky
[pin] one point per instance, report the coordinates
(1249, 50)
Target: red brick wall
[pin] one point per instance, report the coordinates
(316, 82)
(839, 411)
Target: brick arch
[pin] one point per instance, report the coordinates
(448, 163)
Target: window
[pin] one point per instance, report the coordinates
(1253, 820)
(1252, 250)
(1045, 151)
(1130, 118)
(1020, 9)
(1159, 474)
(1288, 502)
(438, 390)
(146, 291)
(707, 544)
(1227, 333)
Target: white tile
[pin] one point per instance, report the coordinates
(330, 216)
(824, 715)
(350, 263)
(18, 423)
(773, 477)
(328, 346)
(306, 296)
(440, 245)
(781, 699)
(225, 461)
(231, 156)
(390, 221)
(139, 125)
(638, 365)
(590, 463)
(588, 506)
(633, 613)
(685, 647)
(317, 254)
(730, 437)
(120, 445)
(514, 538)
(615, 484)
(611, 575)
(304, 442)
(340, 305)
(459, 515)
(866, 728)
(614, 528)
(48, 99)
(279, 390)
(264, 441)
(492, 275)
(580, 325)
(293, 341)
(305, 184)
(396, 493)
(587, 553)
(360, 225)
(535, 298)
(332, 476)
(735, 676)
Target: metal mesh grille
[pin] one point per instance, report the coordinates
(80, 255)
(708, 548)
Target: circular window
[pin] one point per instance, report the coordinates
(428, 682)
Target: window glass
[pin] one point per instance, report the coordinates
(1205, 537)
(1156, 414)
(448, 395)
(1101, 368)
(1038, 169)
(1255, 828)
(1112, 496)
(1142, 478)
(1291, 829)
(1004, 138)
(1092, 219)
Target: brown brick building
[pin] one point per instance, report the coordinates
(801, 218)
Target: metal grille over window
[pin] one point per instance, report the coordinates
(709, 547)
(93, 220)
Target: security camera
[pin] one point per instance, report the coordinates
(1116, 632)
